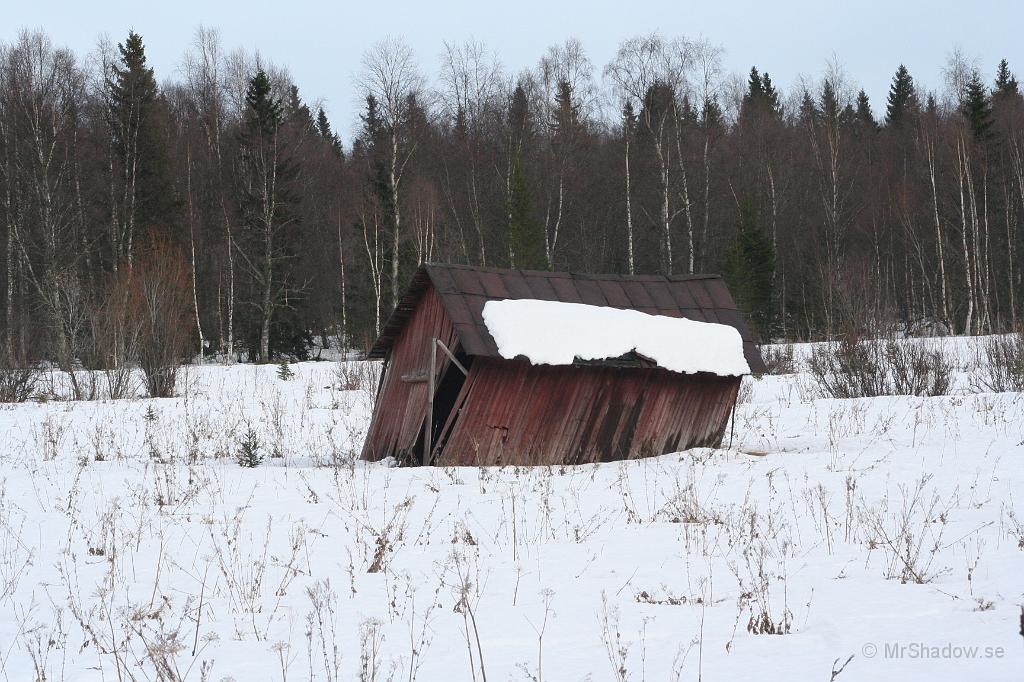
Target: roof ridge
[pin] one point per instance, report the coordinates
(527, 272)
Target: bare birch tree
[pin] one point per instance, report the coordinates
(391, 75)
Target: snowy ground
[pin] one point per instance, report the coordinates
(134, 547)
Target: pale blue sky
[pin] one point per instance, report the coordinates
(321, 42)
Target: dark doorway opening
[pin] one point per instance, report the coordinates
(448, 388)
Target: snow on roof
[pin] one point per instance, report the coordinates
(557, 333)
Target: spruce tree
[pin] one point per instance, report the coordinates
(136, 115)
(565, 121)
(770, 95)
(902, 101)
(1006, 82)
(977, 108)
(755, 90)
(809, 114)
(760, 95)
(323, 128)
(829, 103)
(519, 120)
(628, 118)
(711, 117)
(264, 112)
(749, 270)
(864, 116)
(269, 223)
(525, 232)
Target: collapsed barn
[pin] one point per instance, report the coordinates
(485, 366)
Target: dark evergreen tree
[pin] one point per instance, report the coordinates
(755, 89)
(711, 117)
(264, 112)
(760, 95)
(749, 269)
(902, 101)
(864, 116)
(977, 108)
(525, 231)
(137, 118)
(269, 221)
(809, 114)
(565, 117)
(829, 103)
(628, 118)
(770, 95)
(296, 113)
(323, 128)
(520, 122)
(1006, 82)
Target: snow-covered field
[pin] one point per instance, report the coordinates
(134, 547)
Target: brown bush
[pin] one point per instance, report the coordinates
(1000, 364)
(866, 368)
(17, 379)
(114, 337)
(778, 359)
(158, 302)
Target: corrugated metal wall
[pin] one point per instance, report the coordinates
(513, 412)
(402, 405)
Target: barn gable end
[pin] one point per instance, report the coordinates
(397, 425)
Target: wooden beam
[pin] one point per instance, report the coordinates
(430, 401)
(451, 356)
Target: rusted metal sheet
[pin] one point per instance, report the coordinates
(401, 407)
(513, 412)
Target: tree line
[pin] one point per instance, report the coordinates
(827, 213)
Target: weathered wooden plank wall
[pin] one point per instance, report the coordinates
(402, 405)
(513, 412)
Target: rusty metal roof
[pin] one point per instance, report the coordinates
(464, 290)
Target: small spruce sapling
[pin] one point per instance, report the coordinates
(248, 454)
(284, 370)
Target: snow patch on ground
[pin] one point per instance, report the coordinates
(558, 333)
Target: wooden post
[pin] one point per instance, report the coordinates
(429, 427)
(732, 420)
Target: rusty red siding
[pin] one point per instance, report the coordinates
(401, 407)
(516, 413)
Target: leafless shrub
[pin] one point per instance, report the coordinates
(114, 338)
(357, 376)
(67, 301)
(756, 593)
(919, 368)
(322, 629)
(910, 537)
(686, 506)
(865, 368)
(467, 595)
(160, 301)
(616, 648)
(17, 380)
(371, 638)
(1000, 365)
(778, 359)
(746, 392)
